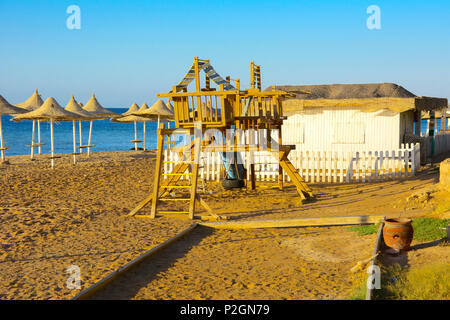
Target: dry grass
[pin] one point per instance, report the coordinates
(430, 282)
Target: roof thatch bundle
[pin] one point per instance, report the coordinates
(74, 107)
(50, 110)
(366, 97)
(95, 107)
(7, 108)
(32, 103)
(157, 110)
(134, 107)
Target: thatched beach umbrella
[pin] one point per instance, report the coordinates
(134, 107)
(74, 107)
(50, 111)
(32, 103)
(158, 110)
(95, 107)
(6, 108)
(142, 109)
(133, 119)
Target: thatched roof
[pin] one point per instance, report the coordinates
(7, 108)
(95, 107)
(74, 107)
(32, 103)
(134, 107)
(367, 97)
(50, 110)
(159, 108)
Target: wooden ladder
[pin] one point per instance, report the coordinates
(162, 188)
(302, 188)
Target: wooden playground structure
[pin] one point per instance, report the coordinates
(205, 117)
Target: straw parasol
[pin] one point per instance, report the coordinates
(158, 110)
(95, 107)
(32, 103)
(6, 108)
(134, 107)
(169, 106)
(49, 111)
(134, 119)
(74, 107)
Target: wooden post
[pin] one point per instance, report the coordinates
(280, 169)
(1, 140)
(90, 137)
(135, 137)
(39, 137)
(444, 120)
(252, 75)
(159, 156)
(196, 159)
(145, 141)
(197, 88)
(52, 151)
(32, 139)
(81, 138)
(417, 122)
(431, 130)
(74, 142)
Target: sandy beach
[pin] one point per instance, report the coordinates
(75, 215)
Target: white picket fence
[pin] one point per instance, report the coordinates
(318, 166)
(441, 144)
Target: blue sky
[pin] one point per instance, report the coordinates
(127, 51)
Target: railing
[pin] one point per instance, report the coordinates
(320, 166)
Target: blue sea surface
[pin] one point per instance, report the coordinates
(106, 135)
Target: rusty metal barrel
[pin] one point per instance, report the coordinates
(398, 233)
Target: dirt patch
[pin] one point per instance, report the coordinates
(293, 263)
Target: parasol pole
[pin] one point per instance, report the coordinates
(39, 136)
(1, 140)
(81, 139)
(32, 139)
(135, 136)
(144, 136)
(52, 142)
(158, 123)
(90, 136)
(74, 142)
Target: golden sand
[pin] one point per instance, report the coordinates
(75, 215)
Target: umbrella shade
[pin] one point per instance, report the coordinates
(169, 106)
(157, 110)
(7, 108)
(134, 107)
(130, 119)
(50, 110)
(95, 107)
(32, 103)
(143, 107)
(74, 107)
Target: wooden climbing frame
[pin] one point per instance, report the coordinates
(228, 108)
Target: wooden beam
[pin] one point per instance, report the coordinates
(298, 222)
(87, 293)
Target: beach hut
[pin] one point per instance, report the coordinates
(32, 103)
(50, 111)
(353, 117)
(74, 107)
(95, 107)
(6, 109)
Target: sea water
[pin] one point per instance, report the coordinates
(106, 135)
